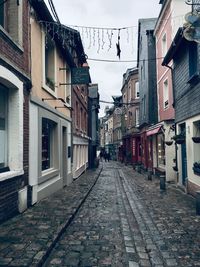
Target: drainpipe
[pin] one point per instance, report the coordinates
(174, 103)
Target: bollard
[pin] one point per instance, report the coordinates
(162, 182)
(149, 175)
(198, 203)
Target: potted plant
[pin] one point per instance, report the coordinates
(196, 168)
(168, 143)
(179, 138)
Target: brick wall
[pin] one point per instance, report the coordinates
(9, 197)
(16, 56)
(17, 60)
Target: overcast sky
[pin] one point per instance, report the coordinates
(107, 14)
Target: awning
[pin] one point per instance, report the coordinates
(153, 131)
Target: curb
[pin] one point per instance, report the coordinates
(66, 225)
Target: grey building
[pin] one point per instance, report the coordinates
(146, 59)
(186, 83)
(93, 129)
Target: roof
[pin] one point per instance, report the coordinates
(177, 41)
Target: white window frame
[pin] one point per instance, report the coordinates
(14, 124)
(166, 94)
(5, 149)
(137, 90)
(44, 85)
(137, 116)
(164, 44)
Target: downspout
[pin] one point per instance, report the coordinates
(173, 104)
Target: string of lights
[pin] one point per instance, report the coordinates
(124, 61)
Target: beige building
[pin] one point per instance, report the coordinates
(50, 103)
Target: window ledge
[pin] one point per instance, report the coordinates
(48, 174)
(194, 78)
(49, 90)
(8, 39)
(10, 174)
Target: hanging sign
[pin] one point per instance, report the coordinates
(80, 75)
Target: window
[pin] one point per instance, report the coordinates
(161, 150)
(137, 117)
(11, 19)
(85, 122)
(137, 92)
(130, 93)
(193, 68)
(165, 94)
(50, 63)
(3, 130)
(48, 127)
(164, 45)
(81, 119)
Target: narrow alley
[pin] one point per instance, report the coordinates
(113, 216)
(128, 222)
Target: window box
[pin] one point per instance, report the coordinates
(196, 168)
(196, 139)
(179, 139)
(168, 143)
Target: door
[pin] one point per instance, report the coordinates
(183, 156)
(64, 155)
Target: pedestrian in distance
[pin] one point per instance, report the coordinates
(108, 156)
(101, 156)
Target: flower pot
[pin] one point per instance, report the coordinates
(180, 141)
(175, 168)
(168, 143)
(196, 139)
(196, 170)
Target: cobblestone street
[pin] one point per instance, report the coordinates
(128, 221)
(114, 217)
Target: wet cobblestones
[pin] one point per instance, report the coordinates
(126, 221)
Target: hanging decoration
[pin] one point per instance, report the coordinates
(91, 37)
(118, 45)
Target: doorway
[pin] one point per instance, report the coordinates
(64, 155)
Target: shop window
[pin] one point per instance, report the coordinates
(48, 143)
(161, 150)
(3, 128)
(49, 63)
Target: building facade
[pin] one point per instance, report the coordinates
(53, 58)
(148, 93)
(15, 86)
(186, 55)
(130, 116)
(170, 18)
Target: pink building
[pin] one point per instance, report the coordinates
(171, 17)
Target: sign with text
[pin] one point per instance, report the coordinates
(80, 75)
